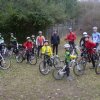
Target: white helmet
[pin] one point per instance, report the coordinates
(95, 28)
(33, 36)
(84, 33)
(28, 38)
(66, 46)
(40, 32)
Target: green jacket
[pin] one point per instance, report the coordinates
(67, 56)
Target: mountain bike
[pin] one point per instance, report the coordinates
(47, 63)
(74, 50)
(22, 56)
(60, 72)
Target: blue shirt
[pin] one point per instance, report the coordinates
(96, 37)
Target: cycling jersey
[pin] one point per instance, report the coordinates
(40, 40)
(47, 50)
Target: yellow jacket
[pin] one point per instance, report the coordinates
(47, 49)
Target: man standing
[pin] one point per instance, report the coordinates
(40, 41)
(96, 36)
(71, 37)
(13, 43)
(55, 41)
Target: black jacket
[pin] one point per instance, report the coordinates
(82, 42)
(55, 39)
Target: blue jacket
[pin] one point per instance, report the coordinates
(96, 37)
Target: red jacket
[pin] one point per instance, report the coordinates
(90, 45)
(71, 37)
(28, 45)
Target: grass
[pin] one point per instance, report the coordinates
(24, 82)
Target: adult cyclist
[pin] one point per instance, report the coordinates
(82, 40)
(96, 36)
(39, 42)
(71, 37)
(13, 43)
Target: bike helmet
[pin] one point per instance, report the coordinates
(66, 46)
(12, 33)
(84, 33)
(28, 38)
(40, 32)
(32, 36)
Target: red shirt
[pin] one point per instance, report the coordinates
(28, 45)
(90, 45)
(71, 37)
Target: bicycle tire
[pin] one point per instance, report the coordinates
(79, 69)
(57, 62)
(33, 60)
(56, 74)
(44, 70)
(5, 64)
(97, 67)
(19, 58)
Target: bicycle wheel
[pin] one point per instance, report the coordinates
(19, 58)
(33, 60)
(97, 67)
(58, 74)
(5, 64)
(57, 62)
(79, 68)
(44, 68)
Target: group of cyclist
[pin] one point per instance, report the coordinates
(87, 44)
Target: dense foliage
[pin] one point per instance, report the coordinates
(29, 16)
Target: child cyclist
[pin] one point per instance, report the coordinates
(28, 46)
(68, 57)
(90, 45)
(47, 50)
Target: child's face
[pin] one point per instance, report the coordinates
(86, 39)
(29, 40)
(66, 49)
(95, 30)
(46, 44)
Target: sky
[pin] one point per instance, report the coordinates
(89, 0)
